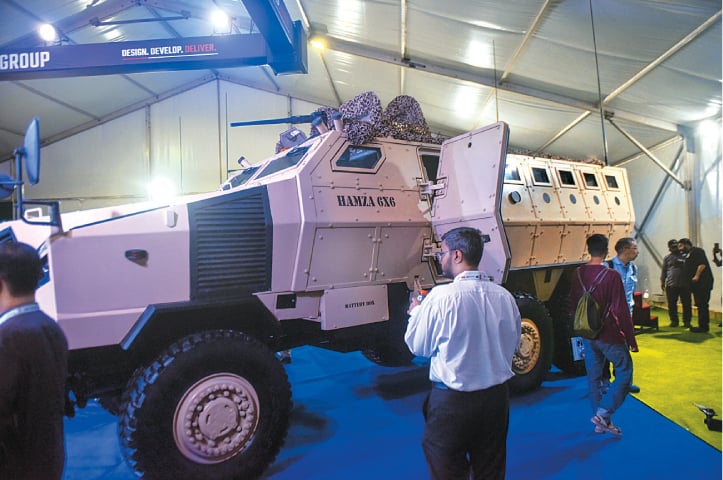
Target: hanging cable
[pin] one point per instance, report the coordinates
(599, 90)
(494, 66)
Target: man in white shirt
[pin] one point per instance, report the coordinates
(470, 329)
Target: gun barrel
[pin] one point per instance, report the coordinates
(272, 121)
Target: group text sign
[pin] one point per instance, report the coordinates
(190, 53)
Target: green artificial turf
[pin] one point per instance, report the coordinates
(675, 369)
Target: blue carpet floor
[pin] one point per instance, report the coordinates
(355, 420)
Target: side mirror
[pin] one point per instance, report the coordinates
(30, 151)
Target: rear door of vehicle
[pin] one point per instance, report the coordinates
(471, 173)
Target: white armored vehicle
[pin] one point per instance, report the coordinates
(173, 312)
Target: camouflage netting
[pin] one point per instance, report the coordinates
(364, 119)
(530, 153)
(403, 119)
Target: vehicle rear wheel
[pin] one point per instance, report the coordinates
(561, 310)
(214, 405)
(388, 348)
(533, 357)
(112, 404)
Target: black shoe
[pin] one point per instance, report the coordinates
(672, 324)
(686, 325)
(698, 330)
(633, 388)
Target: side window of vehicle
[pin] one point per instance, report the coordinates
(364, 158)
(431, 165)
(612, 182)
(567, 179)
(512, 174)
(540, 176)
(590, 180)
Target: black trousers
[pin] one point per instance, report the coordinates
(673, 294)
(465, 433)
(701, 296)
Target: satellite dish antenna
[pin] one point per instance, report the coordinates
(31, 151)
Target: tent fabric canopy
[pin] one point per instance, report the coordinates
(531, 63)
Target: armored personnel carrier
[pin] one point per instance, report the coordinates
(173, 312)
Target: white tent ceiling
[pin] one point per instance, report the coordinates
(531, 63)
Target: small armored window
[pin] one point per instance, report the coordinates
(360, 157)
(512, 174)
(540, 176)
(596, 200)
(612, 181)
(546, 197)
(515, 197)
(617, 201)
(573, 199)
(590, 180)
(567, 178)
(291, 158)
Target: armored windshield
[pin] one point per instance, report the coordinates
(240, 178)
(291, 158)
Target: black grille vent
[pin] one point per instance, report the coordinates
(7, 235)
(231, 245)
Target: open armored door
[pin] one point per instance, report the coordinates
(471, 172)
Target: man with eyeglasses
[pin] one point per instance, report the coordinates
(627, 250)
(470, 329)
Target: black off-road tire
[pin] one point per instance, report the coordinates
(112, 404)
(389, 355)
(214, 405)
(388, 348)
(562, 312)
(534, 355)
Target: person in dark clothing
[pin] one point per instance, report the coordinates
(33, 371)
(697, 271)
(616, 339)
(674, 284)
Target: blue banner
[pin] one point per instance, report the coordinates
(191, 53)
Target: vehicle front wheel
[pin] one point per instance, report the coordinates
(214, 405)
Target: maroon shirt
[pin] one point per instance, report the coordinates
(610, 295)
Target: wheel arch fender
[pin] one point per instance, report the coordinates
(162, 324)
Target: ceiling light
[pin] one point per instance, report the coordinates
(317, 43)
(47, 32)
(221, 22)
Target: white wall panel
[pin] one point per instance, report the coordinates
(185, 142)
(115, 162)
(711, 204)
(669, 218)
(301, 107)
(106, 161)
(255, 143)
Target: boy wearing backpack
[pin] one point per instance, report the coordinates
(616, 339)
